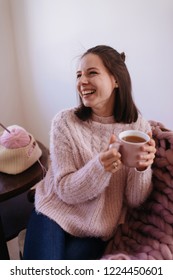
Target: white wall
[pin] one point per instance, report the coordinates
(9, 87)
(49, 34)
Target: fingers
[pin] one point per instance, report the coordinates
(110, 160)
(113, 167)
(109, 157)
(149, 147)
(147, 155)
(112, 139)
(146, 159)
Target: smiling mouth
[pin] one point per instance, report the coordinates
(88, 92)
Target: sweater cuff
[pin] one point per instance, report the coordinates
(142, 171)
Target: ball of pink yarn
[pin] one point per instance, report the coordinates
(17, 138)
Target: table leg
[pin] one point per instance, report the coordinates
(4, 255)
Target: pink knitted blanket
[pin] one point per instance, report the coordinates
(147, 233)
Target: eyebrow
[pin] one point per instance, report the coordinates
(88, 69)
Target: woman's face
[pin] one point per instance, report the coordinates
(96, 85)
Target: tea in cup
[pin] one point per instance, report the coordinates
(130, 143)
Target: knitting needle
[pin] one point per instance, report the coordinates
(5, 128)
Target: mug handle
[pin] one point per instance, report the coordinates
(115, 145)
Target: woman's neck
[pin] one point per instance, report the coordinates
(103, 119)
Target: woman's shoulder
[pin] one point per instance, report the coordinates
(64, 115)
(142, 124)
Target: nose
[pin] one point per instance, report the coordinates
(83, 79)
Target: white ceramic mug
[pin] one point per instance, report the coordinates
(130, 142)
(130, 149)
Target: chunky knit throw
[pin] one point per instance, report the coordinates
(147, 233)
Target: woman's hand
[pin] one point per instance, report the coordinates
(111, 158)
(147, 158)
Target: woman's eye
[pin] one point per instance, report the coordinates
(78, 76)
(92, 73)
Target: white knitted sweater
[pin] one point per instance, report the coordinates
(77, 193)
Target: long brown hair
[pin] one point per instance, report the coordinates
(125, 110)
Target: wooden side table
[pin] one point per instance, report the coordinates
(14, 207)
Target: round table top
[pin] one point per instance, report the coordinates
(12, 185)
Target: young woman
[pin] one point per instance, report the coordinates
(87, 189)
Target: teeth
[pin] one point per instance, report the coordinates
(87, 92)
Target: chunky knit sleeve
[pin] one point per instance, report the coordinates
(138, 186)
(78, 176)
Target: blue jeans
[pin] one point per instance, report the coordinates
(46, 240)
